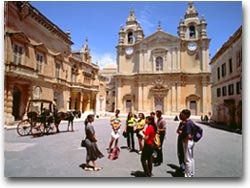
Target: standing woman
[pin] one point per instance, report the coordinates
(140, 124)
(130, 122)
(147, 151)
(92, 150)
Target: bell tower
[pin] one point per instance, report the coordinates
(193, 33)
(129, 37)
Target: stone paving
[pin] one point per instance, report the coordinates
(218, 154)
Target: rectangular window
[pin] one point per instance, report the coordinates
(58, 67)
(224, 91)
(39, 62)
(18, 51)
(230, 65)
(230, 89)
(238, 87)
(218, 92)
(87, 80)
(218, 73)
(239, 57)
(224, 70)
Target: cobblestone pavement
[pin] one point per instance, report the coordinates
(218, 154)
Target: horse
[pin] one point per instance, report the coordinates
(59, 116)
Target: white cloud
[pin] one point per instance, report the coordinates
(104, 59)
(146, 20)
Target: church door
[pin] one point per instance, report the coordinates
(128, 106)
(159, 103)
(193, 108)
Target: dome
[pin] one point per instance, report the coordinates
(110, 66)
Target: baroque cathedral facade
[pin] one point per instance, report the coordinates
(162, 71)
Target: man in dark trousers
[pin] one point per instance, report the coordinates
(161, 130)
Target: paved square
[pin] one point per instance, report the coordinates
(218, 154)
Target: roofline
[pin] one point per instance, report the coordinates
(227, 44)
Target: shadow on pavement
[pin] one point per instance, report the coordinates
(177, 173)
(83, 166)
(138, 173)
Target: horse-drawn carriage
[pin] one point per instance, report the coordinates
(41, 118)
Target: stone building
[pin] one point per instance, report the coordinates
(162, 71)
(227, 82)
(108, 71)
(39, 64)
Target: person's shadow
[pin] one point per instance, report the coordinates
(138, 173)
(83, 166)
(177, 173)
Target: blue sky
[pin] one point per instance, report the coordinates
(100, 21)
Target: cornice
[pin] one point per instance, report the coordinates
(26, 9)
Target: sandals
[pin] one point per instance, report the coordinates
(97, 168)
(88, 169)
(91, 169)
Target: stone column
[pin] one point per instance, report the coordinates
(140, 96)
(178, 97)
(173, 91)
(206, 94)
(203, 59)
(171, 60)
(88, 102)
(118, 95)
(178, 59)
(9, 118)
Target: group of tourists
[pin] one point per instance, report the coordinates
(150, 131)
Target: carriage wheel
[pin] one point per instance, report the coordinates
(38, 129)
(24, 127)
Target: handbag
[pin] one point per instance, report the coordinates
(157, 141)
(83, 143)
(125, 134)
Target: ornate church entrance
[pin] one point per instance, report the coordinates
(159, 102)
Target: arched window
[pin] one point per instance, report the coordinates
(192, 34)
(37, 92)
(130, 38)
(159, 63)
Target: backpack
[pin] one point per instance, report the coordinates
(114, 154)
(197, 132)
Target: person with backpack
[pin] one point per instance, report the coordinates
(188, 143)
(180, 150)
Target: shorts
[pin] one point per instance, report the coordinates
(138, 133)
(115, 135)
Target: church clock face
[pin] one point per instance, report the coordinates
(192, 46)
(129, 50)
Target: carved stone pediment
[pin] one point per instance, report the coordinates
(159, 89)
(161, 37)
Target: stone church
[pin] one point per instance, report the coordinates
(162, 71)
